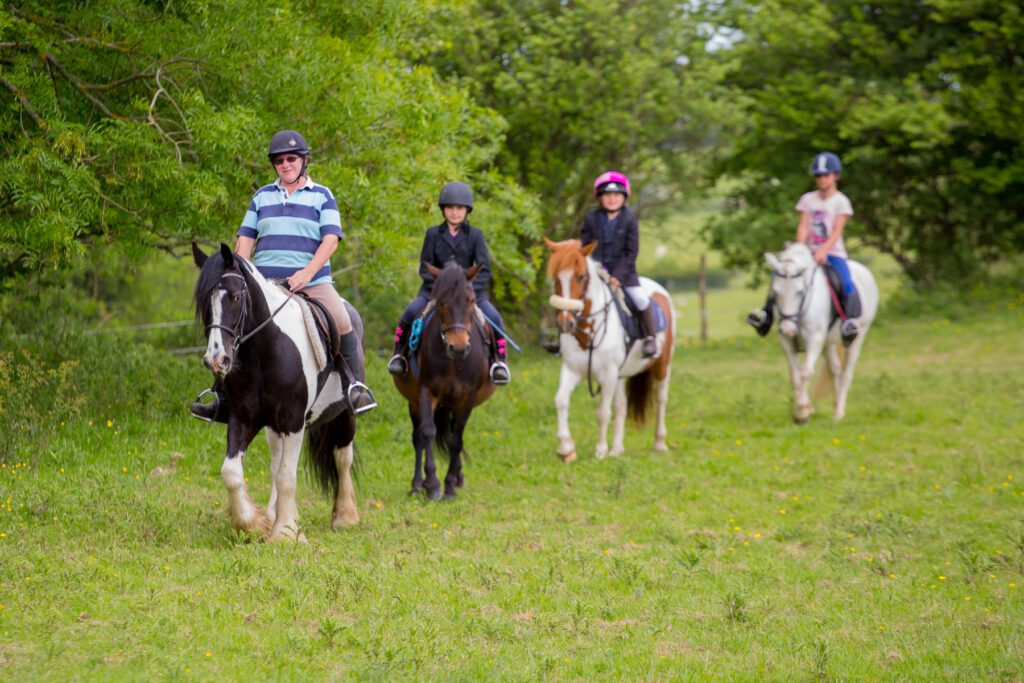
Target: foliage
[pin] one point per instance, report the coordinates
(921, 100)
(754, 550)
(130, 126)
(584, 86)
(35, 402)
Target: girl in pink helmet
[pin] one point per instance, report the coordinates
(615, 229)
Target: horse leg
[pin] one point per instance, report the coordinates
(566, 383)
(245, 516)
(793, 359)
(835, 368)
(619, 431)
(286, 522)
(609, 384)
(428, 432)
(661, 431)
(852, 354)
(275, 465)
(418, 446)
(345, 513)
(806, 372)
(454, 476)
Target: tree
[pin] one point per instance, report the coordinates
(920, 99)
(131, 126)
(584, 86)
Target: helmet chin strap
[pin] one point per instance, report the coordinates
(303, 172)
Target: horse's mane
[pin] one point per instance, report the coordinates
(450, 280)
(209, 277)
(565, 256)
(798, 252)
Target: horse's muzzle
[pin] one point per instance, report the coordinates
(219, 364)
(566, 322)
(457, 352)
(788, 328)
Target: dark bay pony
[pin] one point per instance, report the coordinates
(259, 348)
(446, 379)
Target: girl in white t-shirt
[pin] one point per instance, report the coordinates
(823, 215)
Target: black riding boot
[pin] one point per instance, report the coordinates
(360, 398)
(397, 365)
(761, 319)
(851, 306)
(650, 343)
(217, 411)
(500, 373)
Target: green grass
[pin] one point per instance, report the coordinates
(888, 546)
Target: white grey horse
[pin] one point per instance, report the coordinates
(803, 307)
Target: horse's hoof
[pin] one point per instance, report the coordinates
(434, 494)
(615, 452)
(799, 420)
(601, 453)
(568, 457)
(344, 521)
(416, 490)
(660, 447)
(449, 497)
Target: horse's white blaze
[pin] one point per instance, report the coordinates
(215, 346)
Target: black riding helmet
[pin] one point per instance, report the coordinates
(456, 193)
(287, 141)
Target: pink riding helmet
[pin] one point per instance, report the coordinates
(608, 178)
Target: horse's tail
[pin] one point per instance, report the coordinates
(640, 395)
(444, 423)
(321, 442)
(825, 385)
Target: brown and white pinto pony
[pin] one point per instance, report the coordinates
(593, 347)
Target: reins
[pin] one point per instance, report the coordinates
(246, 308)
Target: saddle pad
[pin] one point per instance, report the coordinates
(316, 339)
(632, 325)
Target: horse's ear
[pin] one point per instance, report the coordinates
(551, 245)
(227, 255)
(589, 248)
(198, 255)
(472, 271)
(432, 269)
(772, 261)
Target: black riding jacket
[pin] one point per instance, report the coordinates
(618, 255)
(467, 248)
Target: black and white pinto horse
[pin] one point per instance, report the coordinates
(803, 307)
(259, 348)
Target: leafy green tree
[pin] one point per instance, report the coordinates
(921, 100)
(131, 126)
(584, 86)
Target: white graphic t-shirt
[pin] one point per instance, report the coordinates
(823, 214)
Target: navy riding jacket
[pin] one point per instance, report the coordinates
(467, 248)
(617, 254)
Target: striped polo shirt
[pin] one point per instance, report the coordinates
(288, 229)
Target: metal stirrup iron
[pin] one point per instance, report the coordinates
(356, 384)
(216, 404)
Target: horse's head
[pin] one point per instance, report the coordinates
(568, 268)
(454, 305)
(222, 304)
(792, 273)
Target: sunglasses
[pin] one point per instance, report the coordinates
(290, 158)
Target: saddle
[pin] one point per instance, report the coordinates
(630, 317)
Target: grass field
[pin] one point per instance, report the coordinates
(886, 547)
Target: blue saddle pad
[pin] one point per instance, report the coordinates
(632, 325)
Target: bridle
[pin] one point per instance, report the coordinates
(593, 340)
(236, 332)
(795, 317)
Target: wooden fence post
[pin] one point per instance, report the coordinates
(702, 288)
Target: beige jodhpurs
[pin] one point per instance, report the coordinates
(327, 295)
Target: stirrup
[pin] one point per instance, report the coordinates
(643, 347)
(849, 330)
(397, 365)
(498, 366)
(204, 406)
(359, 410)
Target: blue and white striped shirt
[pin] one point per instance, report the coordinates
(288, 229)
